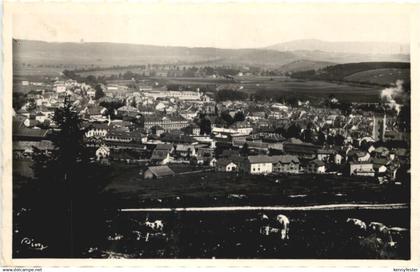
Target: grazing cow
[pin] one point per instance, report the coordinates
(357, 223)
(284, 226)
(150, 224)
(376, 226)
(156, 225)
(159, 225)
(383, 232)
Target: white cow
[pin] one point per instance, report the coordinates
(357, 223)
(284, 226)
(156, 225)
(376, 226)
(159, 224)
(390, 235)
(382, 232)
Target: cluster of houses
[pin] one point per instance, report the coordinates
(161, 127)
(310, 159)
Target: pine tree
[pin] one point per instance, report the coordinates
(68, 199)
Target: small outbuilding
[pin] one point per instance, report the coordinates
(156, 172)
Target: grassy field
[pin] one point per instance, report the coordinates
(235, 235)
(284, 86)
(38, 71)
(222, 234)
(273, 86)
(316, 90)
(218, 189)
(380, 76)
(313, 235)
(128, 189)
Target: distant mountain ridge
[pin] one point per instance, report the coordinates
(372, 48)
(127, 54)
(78, 55)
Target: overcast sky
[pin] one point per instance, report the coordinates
(225, 26)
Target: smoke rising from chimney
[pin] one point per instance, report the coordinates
(392, 94)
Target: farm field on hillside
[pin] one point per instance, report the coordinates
(380, 76)
(284, 86)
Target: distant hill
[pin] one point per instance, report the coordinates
(52, 56)
(304, 65)
(378, 73)
(109, 54)
(344, 57)
(371, 48)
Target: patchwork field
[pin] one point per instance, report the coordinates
(284, 86)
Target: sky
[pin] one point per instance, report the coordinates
(217, 25)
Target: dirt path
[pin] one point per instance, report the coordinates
(276, 208)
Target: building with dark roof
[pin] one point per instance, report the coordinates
(128, 111)
(161, 153)
(27, 134)
(315, 167)
(259, 164)
(123, 136)
(226, 165)
(303, 150)
(175, 122)
(156, 172)
(286, 164)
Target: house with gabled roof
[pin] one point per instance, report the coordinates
(285, 164)
(161, 153)
(260, 164)
(156, 172)
(184, 150)
(226, 165)
(128, 111)
(315, 167)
